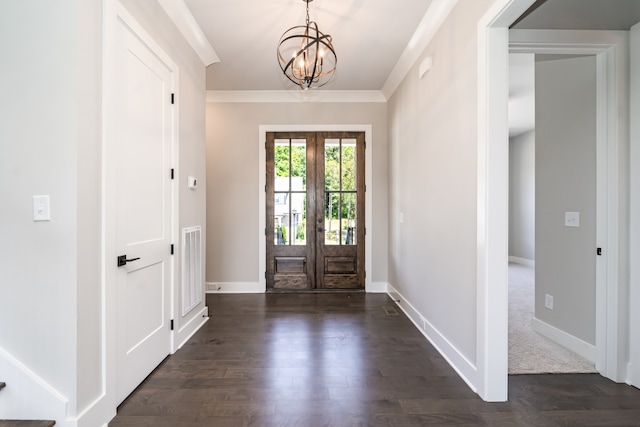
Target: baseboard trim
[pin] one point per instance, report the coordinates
(630, 374)
(578, 346)
(522, 261)
(28, 396)
(192, 326)
(467, 371)
(256, 288)
(234, 288)
(377, 288)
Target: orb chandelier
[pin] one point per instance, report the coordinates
(306, 55)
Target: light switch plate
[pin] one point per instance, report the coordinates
(41, 210)
(572, 219)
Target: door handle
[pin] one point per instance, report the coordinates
(122, 260)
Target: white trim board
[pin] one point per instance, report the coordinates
(431, 22)
(633, 369)
(191, 327)
(262, 137)
(295, 96)
(449, 352)
(181, 16)
(522, 261)
(235, 288)
(28, 396)
(578, 346)
(605, 48)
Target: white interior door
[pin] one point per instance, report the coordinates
(142, 162)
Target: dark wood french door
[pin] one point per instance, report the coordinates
(315, 210)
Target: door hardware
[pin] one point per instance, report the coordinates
(122, 260)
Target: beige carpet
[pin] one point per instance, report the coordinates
(530, 352)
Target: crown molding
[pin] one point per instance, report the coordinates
(430, 24)
(181, 16)
(295, 96)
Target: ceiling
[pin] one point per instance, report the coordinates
(580, 15)
(558, 15)
(372, 38)
(369, 38)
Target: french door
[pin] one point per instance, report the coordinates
(315, 210)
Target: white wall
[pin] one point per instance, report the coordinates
(522, 172)
(232, 179)
(433, 183)
(39, 142)
(52, 350)
(566, 182)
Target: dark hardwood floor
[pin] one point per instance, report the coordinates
(345, 360)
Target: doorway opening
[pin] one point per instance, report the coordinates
(315, 211)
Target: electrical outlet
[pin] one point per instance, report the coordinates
(572, 219)
(548, 301)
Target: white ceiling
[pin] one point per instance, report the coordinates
(559, 15)
(581, 15)
(369, 38)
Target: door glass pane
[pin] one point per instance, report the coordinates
(281, 218)
(298, 164)
(331, 218)
(281, 156)
(348, 219)
(348, 165)
(298, 219)
(332, 164)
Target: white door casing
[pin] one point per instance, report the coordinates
(493, 50)
(139, 137)
(634, 312)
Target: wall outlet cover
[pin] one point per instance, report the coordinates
(572, 219)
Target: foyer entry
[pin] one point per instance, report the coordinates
(315, 211)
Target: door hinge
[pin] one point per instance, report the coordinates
(265, 274)
(173, 98)
(172, 173)
(265, 145)
(265, 231)
(365, 144)
(365, 231)
(365, 188)
(172, 324)
(599, 251)
(265, 188)
(172, 249)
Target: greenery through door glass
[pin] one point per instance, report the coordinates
(290, 207)
(340, 191)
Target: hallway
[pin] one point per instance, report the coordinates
(344, 359)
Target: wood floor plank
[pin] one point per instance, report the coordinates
(340, 360)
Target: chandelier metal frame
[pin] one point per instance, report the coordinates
(306, 55)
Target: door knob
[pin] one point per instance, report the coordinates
(122, 260)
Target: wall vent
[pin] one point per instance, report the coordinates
(191, 268)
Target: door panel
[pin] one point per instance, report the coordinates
(289, 242)
(315, 195)
(340, 185)
(141, 157)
